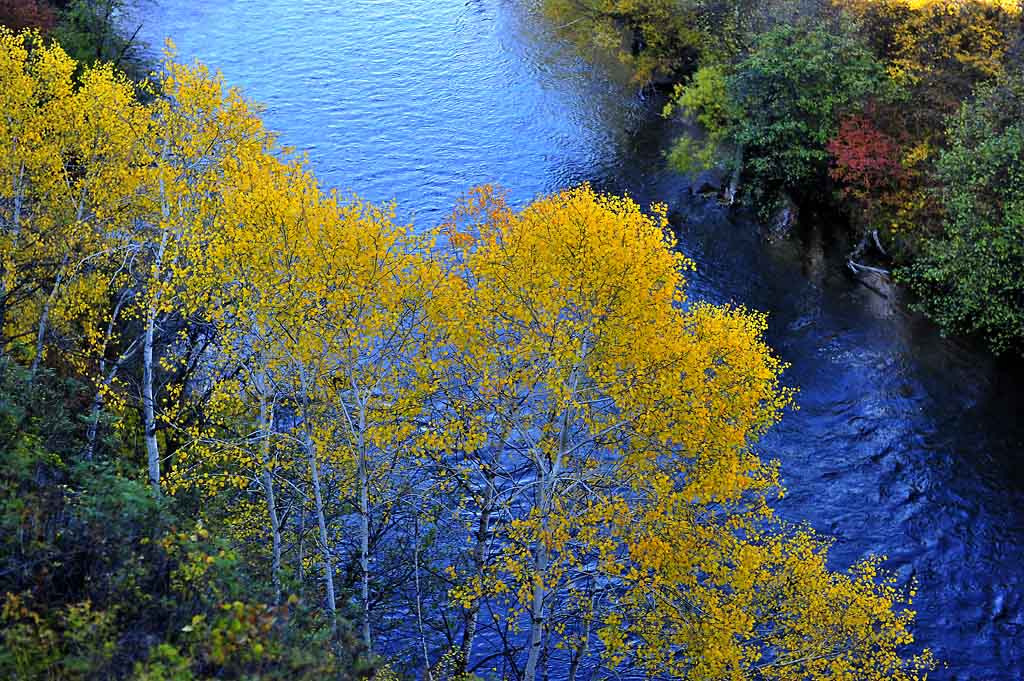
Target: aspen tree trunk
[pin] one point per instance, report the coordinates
(363, 481)
(44, 319)
(581, 651)
(97, 401)
(267, 480)
(545, 491)
(364, 531)
(148, 399)
(94, 424)
(540, 569)
(472, 616)
(108, 378)
(419, 598)
(314, 467)
(15, 230)
(301, 567)
(148, 403)
(545, 670)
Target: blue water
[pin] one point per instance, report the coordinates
(904, 444)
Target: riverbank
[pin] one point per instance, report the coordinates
(90, 31)
(869, 107)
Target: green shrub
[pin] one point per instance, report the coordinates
(971, 275)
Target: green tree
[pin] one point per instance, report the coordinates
(655, 39)
(791, 91)
(971, 275)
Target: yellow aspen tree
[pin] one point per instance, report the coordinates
(720, 592)
(199, 123)
(38, 89)
(298, 348)
(588, 391)
(562, 303)
(356, 354)
(318, 297)
(244, 284)
(377, 286)
(92, 200)
(20, 149)
(75, 154)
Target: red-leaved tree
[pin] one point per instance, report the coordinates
(21, 14)
(865, 159)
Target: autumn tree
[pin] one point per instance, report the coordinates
(583, 393)
(199, 125)
(937, 51)
(77, 156)
(654, 39)
(791, 91)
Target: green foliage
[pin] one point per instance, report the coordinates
(971, 275)
(165, 663)
(791, 91)
(74, 643)
(706, 100)
(88, 30)
(689, 155)
(655, 39)
(778, 77)
(96, 582)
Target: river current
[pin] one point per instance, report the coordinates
(904, 444)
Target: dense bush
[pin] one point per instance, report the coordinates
(792, 90)
(971, 274)
(21, 14)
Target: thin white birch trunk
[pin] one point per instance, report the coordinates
(267, 481)
(314, 467)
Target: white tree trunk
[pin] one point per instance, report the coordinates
(267, 481)
(152, 309)
(581, 650)
(546, 485)
(149, 403)
(364, 534)
(107, 378)
(472, 615)
(314, 467)
(419, 597)
(44, 319)
(540, 570)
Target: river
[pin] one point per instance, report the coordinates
(904, 444)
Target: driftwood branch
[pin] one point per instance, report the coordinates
(857, 268)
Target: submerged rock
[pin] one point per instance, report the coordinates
(708, 183)
(784, 219)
